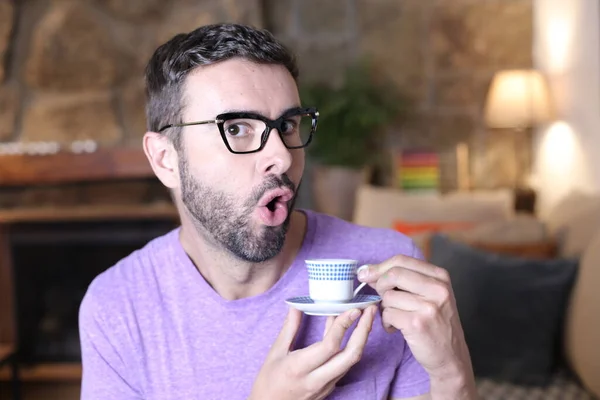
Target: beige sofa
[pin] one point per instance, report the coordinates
(574, 224)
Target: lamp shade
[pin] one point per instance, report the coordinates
(518, 99)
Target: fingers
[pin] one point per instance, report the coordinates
(408, 321)
(375, 271)
(434, 296)
(419, 321)
(288, 332)
(401, 300)
(359, 337)
(351, 354)
(328, 324)
(410, 281)
(393, 318)
(318, 353)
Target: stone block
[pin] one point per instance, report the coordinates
(470, 35)
(9, 106)
(190, 15)
(280, 17)
(133, 101)
(71, 49)
(134, 10)
(68, 117)
(391, 36)
(186, 19)
(6, 25)
(324, 17)
(323, 63)
(460, 90)
(248, 12)
(440, 131)
(136, 44)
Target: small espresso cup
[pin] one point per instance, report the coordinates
(332, 280)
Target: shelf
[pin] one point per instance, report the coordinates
(105, 163)
(46, 372)
(88, 212)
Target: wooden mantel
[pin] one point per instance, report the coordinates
(67, 167)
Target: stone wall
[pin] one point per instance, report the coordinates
(72, 69)
(441, 53)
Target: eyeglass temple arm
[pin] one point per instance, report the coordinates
(212, 121)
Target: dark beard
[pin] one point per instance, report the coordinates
(214, 212)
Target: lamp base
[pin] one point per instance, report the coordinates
(524, 200)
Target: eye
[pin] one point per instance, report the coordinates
(237, 130)
(288, 126)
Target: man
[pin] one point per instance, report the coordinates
(200, 313)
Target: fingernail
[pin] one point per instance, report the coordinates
(363, 272)
(354, 314)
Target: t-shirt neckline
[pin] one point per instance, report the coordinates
(191, 274)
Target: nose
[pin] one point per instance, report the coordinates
(274, 158)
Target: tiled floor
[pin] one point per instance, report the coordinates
(43, 391)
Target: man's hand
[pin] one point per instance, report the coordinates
(418, 300)
(311, 373)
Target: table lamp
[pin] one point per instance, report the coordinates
(519, 100)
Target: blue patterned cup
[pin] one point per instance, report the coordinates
(332, 280)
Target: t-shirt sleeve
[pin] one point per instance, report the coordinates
(417, 253)
(106, 373)
(411, 379)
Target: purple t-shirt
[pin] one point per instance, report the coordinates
(152, 328)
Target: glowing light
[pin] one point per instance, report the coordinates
(557, 150)
(559, 36)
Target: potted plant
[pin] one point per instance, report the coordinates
(350, 134)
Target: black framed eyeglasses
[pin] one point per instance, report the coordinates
(247, 132)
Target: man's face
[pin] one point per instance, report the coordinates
(241, 201)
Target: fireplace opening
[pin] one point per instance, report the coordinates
(53, 265)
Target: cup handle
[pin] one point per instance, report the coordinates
(362, 285)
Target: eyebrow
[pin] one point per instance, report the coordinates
(258, 112)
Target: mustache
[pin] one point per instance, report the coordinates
(272, 182)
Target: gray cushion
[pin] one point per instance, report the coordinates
(511, 308)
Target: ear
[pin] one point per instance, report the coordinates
(163, 158)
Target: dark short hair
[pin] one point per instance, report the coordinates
(173, 61)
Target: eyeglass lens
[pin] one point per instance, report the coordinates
(245, 134)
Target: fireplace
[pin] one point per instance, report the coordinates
(76, 190)
(54, 264)
(65, 218)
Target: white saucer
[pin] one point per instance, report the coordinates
(309, 307)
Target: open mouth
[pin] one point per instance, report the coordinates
(275, 198)
(273, 203)
(273, 207)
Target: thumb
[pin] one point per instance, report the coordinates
(288, 332)
(364, 274)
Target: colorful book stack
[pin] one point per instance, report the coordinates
(419, 171)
